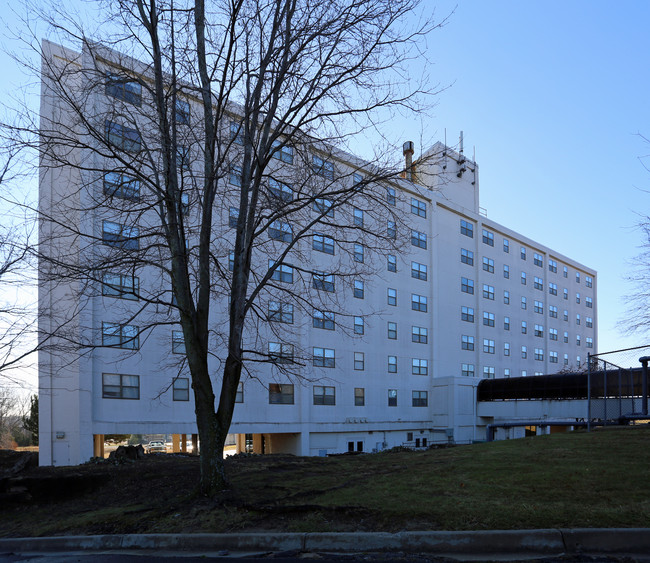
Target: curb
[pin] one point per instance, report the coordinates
(548, 542)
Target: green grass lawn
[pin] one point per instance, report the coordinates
(576, 479)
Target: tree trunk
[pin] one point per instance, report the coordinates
(213, 477)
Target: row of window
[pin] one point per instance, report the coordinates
(467, 315)
(467, 229)
(489, 372)
(489, 347)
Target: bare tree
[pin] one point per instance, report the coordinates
(222, 143)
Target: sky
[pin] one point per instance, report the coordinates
(553, 97)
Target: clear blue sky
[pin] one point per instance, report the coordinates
(552, 95)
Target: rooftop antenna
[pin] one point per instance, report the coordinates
(461, 159)
(461, 142)
(444, 152)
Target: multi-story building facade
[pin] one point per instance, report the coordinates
(466, 298)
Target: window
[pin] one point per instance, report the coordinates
(233, 217)
(552, 333)
(181, 389)
(467, 342)
(235, 176)
(539, 284)
(418, 207)
(231, 263)
(524, 327)
(359, 361)
(522, 253)
(391, 296)
(578, 361)
(418, 303)
(121, 186)
(539, 331)
(566, 337)
(281, 394)
(506, 245)
(506, 372)
(419, 366)
(282, 152)
(357, 217)
(282, 273)
(392, 397)
(467, 286)
(590, 342)
(178, 342)
(578, 298)
(565, 271)
(506, 271)
(589, 281)
(279, 230)
(359, 291)
(488, 292)
(322, 243)
(524, 352)
(589, 302)
(488, 346)
(467, 314)
(577, 277)
(420, 398)
(118, 335)
(324, 395)
(280, 312)
(488, 238)
(578, 319)
(539, 307)
(391, 263)
(121, 285)
(538, 260)
(488, 265)
(237, 132)
(539, 354)
(419, 334)
(322, 167)
(418, 271)
(566, 293)
(359, 396)
(120, 236)
(552, 266)
(279, 192)
(122, 137)
(506, 323)
(239, 396)
(552, 311)
(566, 359)
(523, 373)
(589, 322)
(467, 370)
(418, 239)
(323, 207)
(358, 252)
(182, 112)
(488, 372)
(391, 230)
(324, 357)
(123, 88)
(466, 256)
(392, 364)
(120, 386)
(566, 315)
(523, 302)
(506, 297)
(488, 318)
(359, 325)
(392, 330)
(466, 228)
(323, 281)
(506, 348)
(390, 196)
(552, 288)
(280, 353)
(523, 278)
(552, 356)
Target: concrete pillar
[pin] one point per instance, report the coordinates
(176, 442)
(195, 444)
(304, 444)
(257, 443)
(184, 443)
(98, 445)
(239, 443)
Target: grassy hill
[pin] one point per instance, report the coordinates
(564, 480)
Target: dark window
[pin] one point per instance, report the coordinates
(123, 88)
(122, 137)
(281, 394)
(120, 386)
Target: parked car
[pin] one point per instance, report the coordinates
(153, 447)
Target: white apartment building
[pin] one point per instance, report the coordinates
(467, 299)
